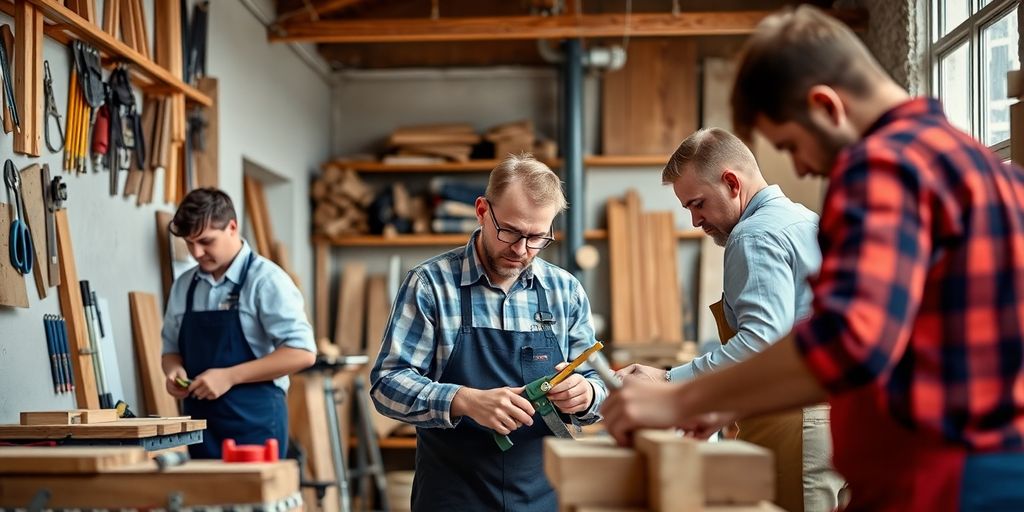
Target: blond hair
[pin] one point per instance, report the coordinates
(707, 151)
(540, 183)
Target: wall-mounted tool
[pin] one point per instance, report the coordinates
(53, 349)
(51, 110)
(21, 237)
(54, 193)
(10, 105)
(94, 345)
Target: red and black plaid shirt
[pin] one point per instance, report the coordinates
(921, 289)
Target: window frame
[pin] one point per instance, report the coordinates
(971, 32)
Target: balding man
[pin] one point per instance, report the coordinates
(770, 249)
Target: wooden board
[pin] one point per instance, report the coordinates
(307, 422)
(255, 211)
(146, 323)
(12, 284)
(322, 287)
(74, 315)
(618, 262)
(200, 482)
(206, 161)
(35, 213)
(60, 459)
(122, 429)
(348, 329)
(72, 417)
(594, 472)
(669, 306)
(650, 281)
(674, 470)
(641, 329)
(650, 105)
(378, 311)
(163, 244)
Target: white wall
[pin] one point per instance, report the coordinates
(273, 111)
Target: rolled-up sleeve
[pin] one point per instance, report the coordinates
(760, 289)
(581, 337)
(402, 385)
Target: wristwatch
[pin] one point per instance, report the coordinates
(668, 375)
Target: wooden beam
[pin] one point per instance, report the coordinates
(533, 27)
(314, 10)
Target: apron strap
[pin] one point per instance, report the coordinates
(191, 291)
(466, 305)
(543, 315)
(236, 292)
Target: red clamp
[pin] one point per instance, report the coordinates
(249, 452)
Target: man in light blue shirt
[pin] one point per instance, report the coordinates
(235, 327)
(469, 329)
(770, 250)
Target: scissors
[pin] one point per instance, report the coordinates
(21, 237)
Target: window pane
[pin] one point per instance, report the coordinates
(954, 12)
(955, 86)
(999, 55)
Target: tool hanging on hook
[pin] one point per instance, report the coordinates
(51, 110)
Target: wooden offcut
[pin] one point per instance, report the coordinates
(674, 471)
(12, 284)
(593, 472)
(72, 417)
(64, 460)
(121, 429)
(348, 329)
(35, 213)
(146, 325)
(255, 211)
(73, 310)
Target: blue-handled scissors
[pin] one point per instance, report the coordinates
(21, 237)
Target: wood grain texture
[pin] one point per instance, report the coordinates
(13, 291)
(35, 213)
(71, 307)
(62, 460)
(349, 321)
(146, 325)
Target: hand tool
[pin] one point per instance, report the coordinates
(536, 392)
(51, 109)
(183, 383)
(21, 237)
(51, 233)
(62, 335)
(9, 101)
(123, 411)
(604, 371)
(94, 345)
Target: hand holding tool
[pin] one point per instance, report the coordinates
(21, 237)
(182, 383)
(536, 392)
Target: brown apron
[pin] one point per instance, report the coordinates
(781, 433)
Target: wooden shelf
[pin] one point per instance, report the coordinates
(397, 442)
(486, 165)
(144, 70)
(454, 239)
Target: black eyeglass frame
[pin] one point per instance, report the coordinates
(545, 239)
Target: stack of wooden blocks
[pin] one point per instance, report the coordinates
(665, 472)
(430, 144)
(646, 301)
(340, 198)
(512, 138)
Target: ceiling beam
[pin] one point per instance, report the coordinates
(497, 28)
(314, 10)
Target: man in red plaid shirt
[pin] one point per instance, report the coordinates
(917, 333)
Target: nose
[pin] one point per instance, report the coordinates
(519, 247)
(696, 219)
(197, 252)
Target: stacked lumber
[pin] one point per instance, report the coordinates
(258, 213)
(340, 201)
(664, 472)
(646, 301)
(430, 144)
(512, 138)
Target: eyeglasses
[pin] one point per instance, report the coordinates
(511, 236)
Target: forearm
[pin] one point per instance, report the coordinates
(282, 361)
(772, 381)
(408, 396)
(170, 362)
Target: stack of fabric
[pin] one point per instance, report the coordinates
(454, 206)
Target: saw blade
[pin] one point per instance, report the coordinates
(557, 427)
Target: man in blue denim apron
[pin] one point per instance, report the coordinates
(236, 326)
(471, 327)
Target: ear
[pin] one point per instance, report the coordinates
(232, 227)
(732, 182)
(825, 105)
(481, 209)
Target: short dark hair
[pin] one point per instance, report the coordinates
(706, 152)
(790, 52)
(202, 208)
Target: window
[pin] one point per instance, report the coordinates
(973, 44)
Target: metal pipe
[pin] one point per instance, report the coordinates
(572, 150)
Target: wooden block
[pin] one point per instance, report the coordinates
(146, 324)
(35, 213)
(736, 472)
(93, 416)
(201, 483)
(74, 315)
(594, 472)
(618, 262)
(674, 471)
(50, 417)
(72, 459)
(348, 329)
(12, 284)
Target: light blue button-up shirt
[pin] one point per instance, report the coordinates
(272, 308)
(768, 257)
(423, 331)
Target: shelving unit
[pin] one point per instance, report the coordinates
(475, 166)
(453, 239)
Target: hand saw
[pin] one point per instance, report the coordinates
(537, 393)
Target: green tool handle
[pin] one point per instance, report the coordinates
(536, 392)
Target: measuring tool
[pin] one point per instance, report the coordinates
(537, 393)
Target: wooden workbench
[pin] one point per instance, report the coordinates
(149, 433)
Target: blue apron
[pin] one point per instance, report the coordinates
(249, 413)
(463, 468)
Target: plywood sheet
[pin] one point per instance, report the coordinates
(12, 284)
(146, 325)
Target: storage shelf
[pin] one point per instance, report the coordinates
(474, 166)
(154, 77)
(430, 240)
(397, 442)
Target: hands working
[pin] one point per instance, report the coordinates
(639, 371)
(642, 404)
(574, 394)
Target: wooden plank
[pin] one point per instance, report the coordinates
(650, 105)
(74, 315)
(12, 284)
(671, 302)
(206, 160)
(378, 310)
(649, 278)
(253, 211)
(494, 28)
(111, 21)
(618, 256)
(24, 78)
(146, 324)
(71, 459)
(72, 417)
(35, 213)
(317, 9)
(307, 422)
(322, 285)
(348, 330)
(128, 24)
(141, 37)
(641, 329)
(163, 244)
(200, 483)
(38, 125)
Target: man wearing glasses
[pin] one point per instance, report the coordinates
(469, 329)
